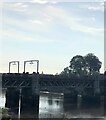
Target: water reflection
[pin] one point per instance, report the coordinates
(2, 99)
(51, 105)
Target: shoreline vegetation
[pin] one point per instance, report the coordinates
(5, 114)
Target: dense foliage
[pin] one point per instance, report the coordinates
(83, 65)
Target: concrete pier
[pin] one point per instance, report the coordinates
(12, 99)
(27, 105)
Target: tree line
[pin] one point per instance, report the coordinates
(83, 65)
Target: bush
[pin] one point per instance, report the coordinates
(5, 113)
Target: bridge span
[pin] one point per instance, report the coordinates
(54, 83)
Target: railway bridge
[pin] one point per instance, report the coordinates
(28, 86)
(54, 83)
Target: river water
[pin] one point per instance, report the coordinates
(51, 105)
(2, 100)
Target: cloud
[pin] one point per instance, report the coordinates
(68, 20)
(36, 22)
(39, 1)
(94, 30)
(94, 6)
(60, 1)
(45, 19)
(30, 24)
(18, 6)
(21, 36)
(51, 1)
(43, 1)
(97, 8)
(49, 17)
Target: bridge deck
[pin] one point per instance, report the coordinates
(51, 82)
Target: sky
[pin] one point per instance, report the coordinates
(51, 31)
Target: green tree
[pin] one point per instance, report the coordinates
(83, 65)
(66, 71)
(92, 63)
(77, 65)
